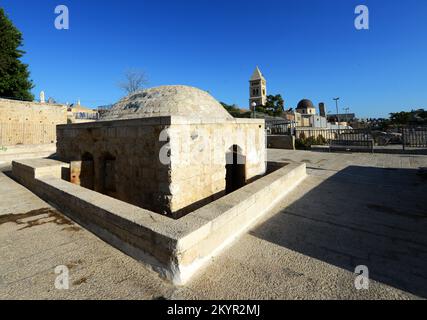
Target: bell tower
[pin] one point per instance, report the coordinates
(257, 89)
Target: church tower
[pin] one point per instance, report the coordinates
(257, 89)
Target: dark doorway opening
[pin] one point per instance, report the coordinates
(87, 172)
(235, 177)
(108, 175)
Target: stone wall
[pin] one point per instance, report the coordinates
(176, 249)
(9, 153)
(199, 159)
(23, 122)
(166, 164)
(281, 142)
(125, 152)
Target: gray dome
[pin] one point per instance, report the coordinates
(182, 101)
(305, 104)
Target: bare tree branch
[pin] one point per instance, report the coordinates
(135, 80)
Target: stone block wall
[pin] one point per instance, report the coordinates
(124, 154)
(199, 157)
(163, 164)
(281, 142)
(28, 123)
(176, 249)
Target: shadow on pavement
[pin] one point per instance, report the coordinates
(361, 216)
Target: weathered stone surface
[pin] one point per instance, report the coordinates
(23, 122)
(281, 142)
(291, 255)
(163, 101)
(169, 146)
(176, 249)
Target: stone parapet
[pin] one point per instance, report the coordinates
(176, 249)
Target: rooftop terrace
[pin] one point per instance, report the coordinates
(352, 209)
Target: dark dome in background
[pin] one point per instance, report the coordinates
(305, 104)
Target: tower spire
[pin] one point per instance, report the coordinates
(257, 75)
(257, 88)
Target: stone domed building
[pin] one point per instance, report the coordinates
(169, 149)
(306, 107)
(164, 101)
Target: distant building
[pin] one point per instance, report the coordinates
(289, 116)
(305, 115)
(322, 109)
(257, 89)
(342, 117)
(76, 113)
(306, 107)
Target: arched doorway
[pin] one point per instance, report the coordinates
(87, 171)
(235, 176)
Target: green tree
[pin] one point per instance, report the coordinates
(275, 105)
(422, 114)
(235, 111)
(14, 75)
(400, 117)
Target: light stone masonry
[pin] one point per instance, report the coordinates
(29, 123)
(176, 249)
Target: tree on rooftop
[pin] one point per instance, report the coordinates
(14, 75)
(135, 80)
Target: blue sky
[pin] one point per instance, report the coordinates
(305, 48)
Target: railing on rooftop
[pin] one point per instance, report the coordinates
(86, 116)
(415, 137)
(279, 127)
(327, 135)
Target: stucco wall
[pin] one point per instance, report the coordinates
(23, 122)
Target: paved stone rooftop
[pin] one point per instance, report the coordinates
(352, 209)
